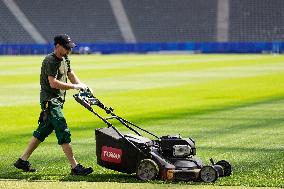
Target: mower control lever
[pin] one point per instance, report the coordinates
(87, 99)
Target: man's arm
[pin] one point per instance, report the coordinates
(54, 83)
(73, 78)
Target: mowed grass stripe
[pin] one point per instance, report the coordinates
(25, 67)
(161, 81)
(193, 98)
(31, 75)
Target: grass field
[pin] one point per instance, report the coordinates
(232, 105)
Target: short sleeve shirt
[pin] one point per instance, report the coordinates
(55, 67)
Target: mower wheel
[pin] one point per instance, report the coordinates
(147, 169)
(208, 174)
(227, 167)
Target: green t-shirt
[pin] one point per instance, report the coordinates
(58, 68)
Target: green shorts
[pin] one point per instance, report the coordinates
(53, 120)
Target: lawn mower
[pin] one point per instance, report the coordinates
(168, 157)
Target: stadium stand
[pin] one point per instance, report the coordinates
(256, 20)
(86, 21)
(104, 26)
(11, 30)
(151, 20)
(172, 21)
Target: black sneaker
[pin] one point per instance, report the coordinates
(24, 165)
(80, 170)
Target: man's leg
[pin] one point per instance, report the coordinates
(64, 139)
(67, 148)
(77, 169)
(22, 162)
(34, 142)
(43, 130)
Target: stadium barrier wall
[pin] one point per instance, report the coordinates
(110, 48)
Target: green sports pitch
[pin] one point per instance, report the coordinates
(232, 105)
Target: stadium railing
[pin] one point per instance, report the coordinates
(188, 47)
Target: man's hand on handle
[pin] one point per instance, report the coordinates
(80, 86)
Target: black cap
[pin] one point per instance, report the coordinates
(64, 40)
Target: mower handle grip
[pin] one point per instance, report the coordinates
(88, 96)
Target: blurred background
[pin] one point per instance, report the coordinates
(143, 26)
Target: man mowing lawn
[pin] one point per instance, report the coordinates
(53, 80)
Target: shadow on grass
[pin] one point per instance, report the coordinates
(243, 169)
(104, 177)
(94, 177)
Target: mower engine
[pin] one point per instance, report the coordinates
(181, 150)
(176, 146)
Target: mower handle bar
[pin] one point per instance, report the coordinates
(87, 99)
